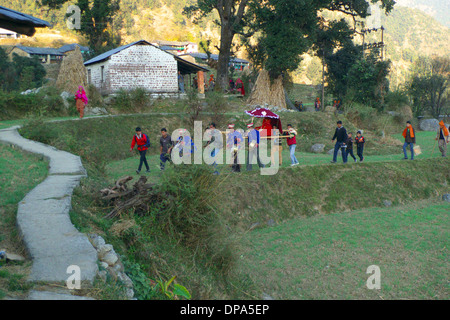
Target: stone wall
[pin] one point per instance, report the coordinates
(139, 66)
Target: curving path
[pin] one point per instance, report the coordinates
(43, 217)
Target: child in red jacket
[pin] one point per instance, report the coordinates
(141, 140)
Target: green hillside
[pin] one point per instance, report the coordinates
(438, 9)
(409, 33)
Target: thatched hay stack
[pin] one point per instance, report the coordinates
(265, 92)
(72, 73)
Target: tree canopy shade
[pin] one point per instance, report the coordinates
(289, 28)
(21, 73)
(232, 15)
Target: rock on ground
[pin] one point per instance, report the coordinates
(317, 148)
(430, 125)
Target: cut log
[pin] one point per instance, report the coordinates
(139, 198)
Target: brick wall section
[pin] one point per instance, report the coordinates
(94, 74)
(141, 66)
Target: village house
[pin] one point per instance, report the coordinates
(45, 55)
(8, 34)
(139, 65)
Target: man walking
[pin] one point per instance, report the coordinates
(143, 143)
(340, 135)
(442, 136)
(410, 139)
(253, 147)
(165, 148)
(234, 140)
(215, 141)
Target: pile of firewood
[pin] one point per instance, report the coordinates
(139, 198)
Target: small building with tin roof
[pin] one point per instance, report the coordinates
(138, 65)
(45, 55)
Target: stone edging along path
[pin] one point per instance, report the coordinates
(43, 219)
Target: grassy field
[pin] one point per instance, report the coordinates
(428, 146)
(246, 203)
(326, 256)
(19, 173)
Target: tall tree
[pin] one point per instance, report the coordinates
(232, 21)
(96, 23)
(8, 76)
(289, 28)
(429, 85)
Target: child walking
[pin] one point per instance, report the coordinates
(360, 145)
(349, 144)
(141, 140)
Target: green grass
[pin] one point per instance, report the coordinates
(326, 256)
(19, 173)
(119, 168)
(4, 124)
(313, 187)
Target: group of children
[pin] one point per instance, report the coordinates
(359, 141)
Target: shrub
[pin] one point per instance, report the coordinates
(122, 101)
(217, 104)
(136, 100)
(189, 214)
(47, 102)
(94, 96)
(139, 99)
(394, 100)
(193, 106)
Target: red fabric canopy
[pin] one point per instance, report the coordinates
(270, 119)
(262, 113)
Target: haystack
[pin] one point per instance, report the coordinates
(72, 72)
(267, 92)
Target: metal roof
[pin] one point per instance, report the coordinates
(204, 56)
(41, 51)
(172, 43)
(168, 48)
(20, 22)
(183, 65)
(70, 47)
(107, 54)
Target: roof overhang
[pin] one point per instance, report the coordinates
(20, 22)
(186, 67)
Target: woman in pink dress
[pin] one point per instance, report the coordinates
(81, 100)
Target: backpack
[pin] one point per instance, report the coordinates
(147, 144)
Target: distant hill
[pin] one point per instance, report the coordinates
(409, 33)
(438, 9)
